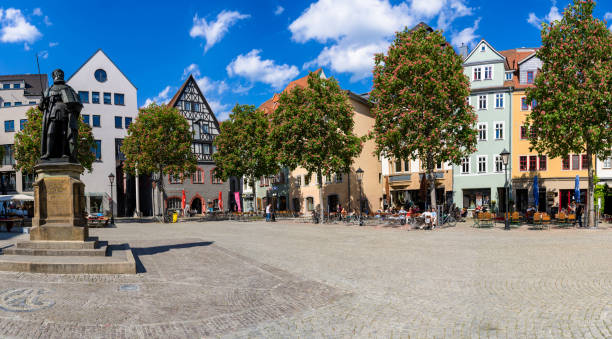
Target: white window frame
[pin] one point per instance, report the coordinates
(479, 69)
(607, 162)
(486, 102)
(486, 131)
(485, 163)
(500, 95)
(483, 48)
(468, 165)
(490, 67)
(498, 161)
(509, 76)
(503, 129)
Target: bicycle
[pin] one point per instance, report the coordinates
(449, 220)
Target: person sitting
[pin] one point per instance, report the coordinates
(402, 215)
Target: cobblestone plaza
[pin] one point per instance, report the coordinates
(284, 279)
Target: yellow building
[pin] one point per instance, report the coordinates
(556, 176)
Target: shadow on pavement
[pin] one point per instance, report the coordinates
(139, 251)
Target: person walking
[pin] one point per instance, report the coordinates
(268, 212)
(579, 210)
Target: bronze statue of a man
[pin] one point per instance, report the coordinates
(61, 107)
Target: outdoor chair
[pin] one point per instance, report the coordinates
(571, 220)
(546, 220)
(516, 218)
(485, 219)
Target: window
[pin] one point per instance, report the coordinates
(439, 165)
(119, 99)
(85, 118)
(406, 165)
(524, 132)
(27, 181)
(215, 180)
(524, 105)
(95, 97)
(566, 163)
(174, 203)
(532, 132)
(17, 103)
(585, 161)
(380, 178)
(307, 179)
(198, 176)
(298, 181)
(533, 163)
(575, 162)
(96, 121)
(205, 128)
(477, 73)
(328, 179)
(542, 163)
(482, 48)
(482, 102)
(84, 96)
(107, 98)
(7, 104)
(118, 122)
(508, 76)
(9, 126)
(482, 131)
(338, 178)
(607, 162)
(8, 157)
(196, 107)
(482, 164)
(499, 130)
(523, 162)
(6, 86)
(187, 106)
(398, 166)
(22, 123)
(16, 85)
(488, 72)
(97, 150)
(100, 75)
(175, 179)
(128, 122)
(499, 164)
(310, 203)
(465, 165)
(499, 100)
(32, 103)
(530, 77)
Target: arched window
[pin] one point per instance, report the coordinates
(100, 75)
(174, 203)
(310, 203)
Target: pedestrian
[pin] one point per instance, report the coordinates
(579, 210)
(268, 212)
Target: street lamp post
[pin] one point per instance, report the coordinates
(359, 173)
(111, 179)
(505, 156)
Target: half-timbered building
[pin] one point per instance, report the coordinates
(202, 189)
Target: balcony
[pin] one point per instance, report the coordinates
(396, 178)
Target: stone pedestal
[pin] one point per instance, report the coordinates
(59, 203)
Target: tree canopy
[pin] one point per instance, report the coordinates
(572, 98)
(27, 143)
(420, 95)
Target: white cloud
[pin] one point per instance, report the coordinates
(15, 28)
(466, 36)
(354, 30)
(206, 84)
(47, 21)
(53, 44)
(162, 98)
(222, 111)
(37, 11)
(44, 54)
(553, 15)
(252, 67)
(279, 10)
(215, 30)
(26, 46)
(608, 17)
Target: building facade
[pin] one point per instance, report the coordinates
(604, 173)
(202, 189)
(110, 105)
(479, 179)
(18, 93)
(556, 176)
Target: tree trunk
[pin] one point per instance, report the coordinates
(321, 210)
(254, 196)
(162, 193)
(590, 217)
(432, 184)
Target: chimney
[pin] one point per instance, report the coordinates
(463, 50)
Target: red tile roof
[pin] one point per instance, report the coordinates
(270, 105)
(513, 58)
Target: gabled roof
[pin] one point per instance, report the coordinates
(177, 95)
(111, 60)
(270, 105)
(490, 47)
(32, 82)
(514, 58)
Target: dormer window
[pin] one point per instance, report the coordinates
(482, 48)
(508, 76)
(530, 77)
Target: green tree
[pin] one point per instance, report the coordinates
(421, 108)
(572, 93)
(312, 127)
(27, 143)
(159, 141)
(243, 147)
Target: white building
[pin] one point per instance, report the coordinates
(109, 105)
(18, 93)
(604, 173)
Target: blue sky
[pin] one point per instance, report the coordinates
(244, 51)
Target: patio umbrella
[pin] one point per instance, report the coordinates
(220, 201)
(577, 189)
(183, 200)
(536, 193)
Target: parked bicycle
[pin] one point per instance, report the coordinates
(448, 220)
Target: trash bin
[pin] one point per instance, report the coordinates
(174, 216)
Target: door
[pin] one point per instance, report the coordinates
(196, 205)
